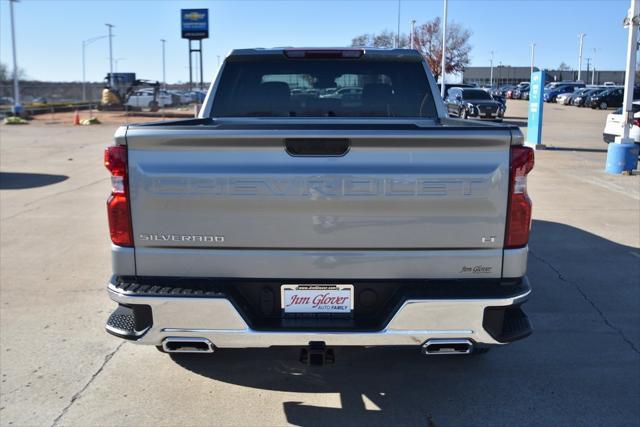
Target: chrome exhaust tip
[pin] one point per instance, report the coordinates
(187, 345)
(447, 346)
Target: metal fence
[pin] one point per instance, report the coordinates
(53, 92)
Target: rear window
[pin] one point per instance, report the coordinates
(323, 88)
(475, 94)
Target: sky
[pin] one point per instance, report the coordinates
(49, 33)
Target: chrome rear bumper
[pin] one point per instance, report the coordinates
(217, 320)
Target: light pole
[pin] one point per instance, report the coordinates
(413, 30)
(630, 70)
(398, 34)
(593, 66)
(588, 65)
(110, 55)
(116, 61)
(622, 156)
(17, 108)
(491, 73)
(581, 37)
(164, 76)
(533, 55)
(196, 66)
(444, 46)
(86, 43)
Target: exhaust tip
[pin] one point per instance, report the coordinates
(447, 346)
(187, 345)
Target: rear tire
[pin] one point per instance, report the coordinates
(153, 106)
(603, 105)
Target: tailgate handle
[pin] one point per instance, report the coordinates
(316, 146)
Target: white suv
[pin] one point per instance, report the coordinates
(143, 98)
(613, 125)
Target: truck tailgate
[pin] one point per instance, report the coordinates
(217, 191)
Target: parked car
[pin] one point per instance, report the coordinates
(577, 93)
(551, 92)
(614, 124)
(610, 98)
(518, 91)
(581, 99)
(196, 96)
(502, 90)
(473, 103)
(333, 237)
(144, 99)
(179, 98)
(564, 98)
(501, 100)
(448, 86)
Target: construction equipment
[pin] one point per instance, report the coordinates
(119, 87)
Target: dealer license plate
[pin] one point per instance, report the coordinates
(316, 298)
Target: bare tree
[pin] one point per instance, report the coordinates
(428, 41)
(563, 67)
(6, 74)
(385, 39)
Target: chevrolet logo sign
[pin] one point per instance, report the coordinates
(194, 16)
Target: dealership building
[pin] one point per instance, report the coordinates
(506, 74)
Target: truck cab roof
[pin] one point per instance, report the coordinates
(326, 52)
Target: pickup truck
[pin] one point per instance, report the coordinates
(288, 218)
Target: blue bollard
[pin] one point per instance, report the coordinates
(622, 158)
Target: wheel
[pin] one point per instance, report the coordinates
(603, 105)
(465, 114)
(153, 106)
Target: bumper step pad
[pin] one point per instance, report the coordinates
(188, 289)
(506, 324)
(129, 322)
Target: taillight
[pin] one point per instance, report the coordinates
(636, 122)
(519, 205)
(118, 210)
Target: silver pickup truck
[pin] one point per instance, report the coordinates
(322, 198)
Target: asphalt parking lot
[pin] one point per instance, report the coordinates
(58, 366)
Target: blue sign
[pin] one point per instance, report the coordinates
(195, 23)
(534, 127)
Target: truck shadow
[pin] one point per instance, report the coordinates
(579, 150)
(21, 181)
(556, 376)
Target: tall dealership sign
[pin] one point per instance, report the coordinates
(534, 123)
(195, 27)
